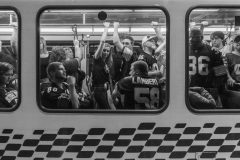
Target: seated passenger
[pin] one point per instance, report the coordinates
(8, 95)
(72, 65)
(139, 91)
(200, 98)
(59, 94)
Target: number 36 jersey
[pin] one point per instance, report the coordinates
(140, 93)
(201, 64)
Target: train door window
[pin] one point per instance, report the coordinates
(101, 60)
(9, 59)
(213, 59)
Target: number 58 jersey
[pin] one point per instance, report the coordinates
(140, 92)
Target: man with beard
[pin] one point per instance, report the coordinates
(233, 63)
(205, 65)
(123, 55)
(60, 93)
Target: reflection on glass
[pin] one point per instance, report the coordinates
(9, 71)
(103, 59)
(214, 58)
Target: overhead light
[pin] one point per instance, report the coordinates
(208, 29)
(7, 11)
(6, 29)
(205, 10)
(91, 29)
(65, 30)
(150, 30)
(148, 10)
(111, 30)
(85, 10)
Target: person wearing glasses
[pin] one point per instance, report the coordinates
(233, 63)
(8, 94)
(102, 61)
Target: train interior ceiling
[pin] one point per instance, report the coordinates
(57, 26)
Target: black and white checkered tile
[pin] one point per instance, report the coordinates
(146, 141)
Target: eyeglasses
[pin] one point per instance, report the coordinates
(7, 74)
(106, 50)
(125, 43)
(237, 44)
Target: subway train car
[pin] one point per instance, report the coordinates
(127, 80)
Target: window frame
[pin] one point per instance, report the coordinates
(19, 22)
(187, 26)
(61, 7)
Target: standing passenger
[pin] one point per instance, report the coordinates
(124, 54)
(101, 76)
(44, 60)
(205, 65)
(233, 62)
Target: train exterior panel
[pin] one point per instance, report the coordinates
(175, 132)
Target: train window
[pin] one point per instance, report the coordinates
(213, 59)
(108, 59)
(9, 59)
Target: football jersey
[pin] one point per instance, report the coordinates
(140, 93)
(233, 62)
(121, 67)
(201, 66)
(150, 60)
(54, 97)
(8, 97)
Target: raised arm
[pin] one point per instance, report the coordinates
(160, 37)
(126, 52)
(98, 53)
(78, 51)
(14, 39)
(72, 91)
(116, 39)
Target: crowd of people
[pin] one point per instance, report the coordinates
(9, 72)
(122, 75)
(214, 70)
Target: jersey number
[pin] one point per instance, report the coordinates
(197, 65)
(148, 96)
(237, 69)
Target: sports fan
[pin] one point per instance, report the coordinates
(8, 94)
(206, 66)
(59, 94)
(123, 54)
(100, 73)
(233, 63)
(139, 91)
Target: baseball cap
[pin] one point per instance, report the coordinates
(219, 34)
(147, 38)
(237, 39)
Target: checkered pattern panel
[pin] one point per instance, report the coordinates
(146, 141)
